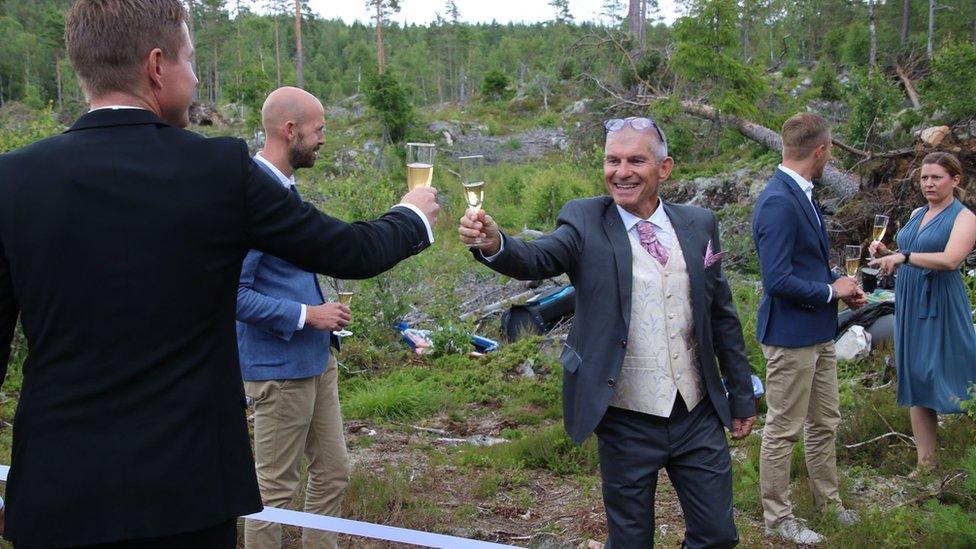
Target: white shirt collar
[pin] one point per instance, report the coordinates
(286, 181)
(805, 186)
(116, 107)
(658, 218)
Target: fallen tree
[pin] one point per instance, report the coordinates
(841, 183)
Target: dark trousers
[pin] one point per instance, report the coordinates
(221, 536)
(692, 447)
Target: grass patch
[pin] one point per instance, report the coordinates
(548, 448)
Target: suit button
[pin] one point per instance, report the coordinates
(610, 382)
(623, 342)
(675, 356)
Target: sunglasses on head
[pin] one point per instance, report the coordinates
(639, 123)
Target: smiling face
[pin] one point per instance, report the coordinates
(632, 172)
(936, 183)
(308, 139)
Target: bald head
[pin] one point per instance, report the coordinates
(288, 104)
(294, 126)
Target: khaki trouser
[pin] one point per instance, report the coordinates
(292, 417)
(801, 392)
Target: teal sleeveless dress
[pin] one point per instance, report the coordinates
(935, 344)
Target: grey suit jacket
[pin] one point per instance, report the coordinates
(590, 245)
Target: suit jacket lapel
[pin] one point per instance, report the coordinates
(689, 239)
(808, 209)
(617, 235)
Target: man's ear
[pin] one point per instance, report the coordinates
(290, 130)
(664, 170)
(154, 67)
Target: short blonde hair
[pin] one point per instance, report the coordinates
(802, 134)
(107, 40)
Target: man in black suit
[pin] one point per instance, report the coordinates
(121, 243)
(653, 312)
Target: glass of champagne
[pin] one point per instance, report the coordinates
(473, 182)
(880, 226)
(852, 260)
(344, 294)
(420, 164)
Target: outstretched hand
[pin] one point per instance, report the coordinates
(478, 230)
(424, 198)
(888, 263)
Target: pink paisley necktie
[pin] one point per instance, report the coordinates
(648, 239)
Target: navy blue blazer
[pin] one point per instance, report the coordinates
(794, 256)
(270, 296)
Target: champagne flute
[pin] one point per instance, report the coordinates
(852, 260)
(344, 294)
(473, 182)
(420, 164)
(880, 226)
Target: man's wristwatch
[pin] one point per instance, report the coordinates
(907, 255)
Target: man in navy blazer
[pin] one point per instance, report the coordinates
(796, 327)
(654, 334)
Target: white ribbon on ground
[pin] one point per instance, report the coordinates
(355, 527)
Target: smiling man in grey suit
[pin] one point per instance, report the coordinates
(653, 313)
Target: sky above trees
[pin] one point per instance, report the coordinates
(481, 11)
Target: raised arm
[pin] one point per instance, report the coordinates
(279, 223)
(547, 256)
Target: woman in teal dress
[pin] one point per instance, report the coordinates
(935, 343)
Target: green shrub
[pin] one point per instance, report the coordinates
(20, 127)
(872, 100)
(791, 70)
(495, 85)
(825, 78)
(389, 98)
(951, 86)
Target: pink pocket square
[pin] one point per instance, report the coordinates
(710, 257)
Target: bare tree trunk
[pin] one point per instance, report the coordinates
(745, 43)
(909, 87)
(216, 73)
(57, 76)
(299, 54)
(277, 54)
(642, 37)
(189, 26)
(928, 46)
(717, 135)
(380, 52)
(464, 87)
(906, 13)
(634, 19)
(873, 59)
